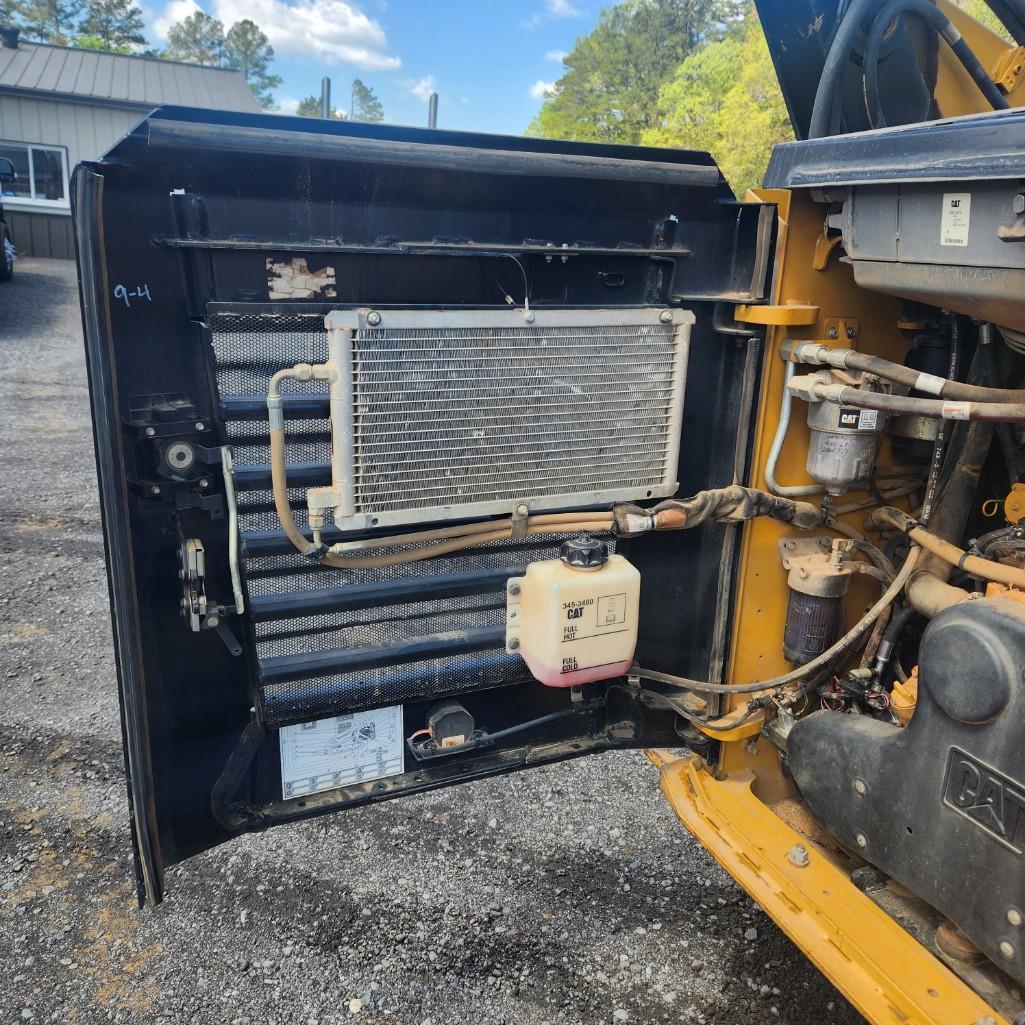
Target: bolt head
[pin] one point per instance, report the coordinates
(798, 856)
(1014, 917)
(151, 432)
(522, 510)
(666, 316)
(204, 483)
(212, 621)
(529, 316)
(514, 644)
(833, 332)
(514, 589)
(1007, 950)
(860, 787)
(373, 318)
(200, 426)
(155, 490)
(851, 333)
(861, 840)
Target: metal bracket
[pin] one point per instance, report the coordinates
(1016, 231)
(791, 315)
(215, 621)
(520, 521)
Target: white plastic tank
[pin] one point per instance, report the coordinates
(574, 619)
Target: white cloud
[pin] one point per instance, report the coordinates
(540, 89)
(331, 31)
(553, 9)
(557, 56)
(288, 105)
(423, 87)
(175, 11)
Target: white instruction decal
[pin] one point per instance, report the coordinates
(344, 749)
(956, 219)
(868, 420)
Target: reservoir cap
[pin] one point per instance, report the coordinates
(584, 552)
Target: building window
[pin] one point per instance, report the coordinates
(42, 174)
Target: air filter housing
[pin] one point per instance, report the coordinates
(457, 413)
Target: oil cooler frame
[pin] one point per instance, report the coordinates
(503, 354)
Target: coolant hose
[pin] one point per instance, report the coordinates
(974, 565)
(840, 648)
(937, 20)
(279, 488)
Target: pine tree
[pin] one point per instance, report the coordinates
(310, 107)
(115, 24)
(246, 49)
(199, 39)
(365, 104)
(50, 21)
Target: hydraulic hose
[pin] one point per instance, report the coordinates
(943, 431)
(948, 551)
(458, 544)
(938, 21)
(891, 638)
(836, 61)
(733, 504)
(928, 590)
(934, 409)
(849, 359)
(840, 648)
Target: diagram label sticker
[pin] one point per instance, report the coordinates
(956, 218)
(344, 749)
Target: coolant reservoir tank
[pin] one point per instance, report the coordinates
(574, 619)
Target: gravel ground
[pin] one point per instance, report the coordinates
(561, 895)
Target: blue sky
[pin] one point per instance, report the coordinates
(490, 62)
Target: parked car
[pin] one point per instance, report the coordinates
(7, 250)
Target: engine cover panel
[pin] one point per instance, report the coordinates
(939, 805)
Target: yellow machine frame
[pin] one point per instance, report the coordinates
(879, 966)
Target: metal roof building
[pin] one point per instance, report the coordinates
(60, 105)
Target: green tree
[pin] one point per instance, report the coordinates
(365, 104)
(614, 73)
(310, 107)
(199, 39)
(246, 49)
(724, 98)
(981, 11)
(10, 12)
(115, 24)
(50, 21)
